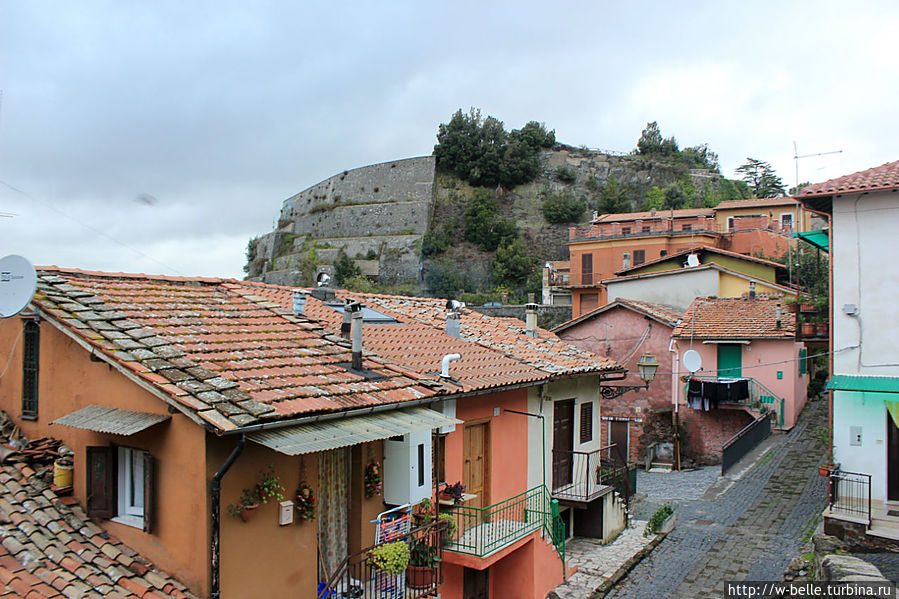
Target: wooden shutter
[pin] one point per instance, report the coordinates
(803, 361)
(101, 482)
(639, 257)
(149, 499)
(586, 422)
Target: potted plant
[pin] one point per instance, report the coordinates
(454, 492)
(423, 513)
(792, 306)
(389, 562)
(246, 505)
(269, 486)
(823, 435)
(448, 528)
(423, 562)
(662, 521)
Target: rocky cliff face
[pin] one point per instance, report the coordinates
(378, 214)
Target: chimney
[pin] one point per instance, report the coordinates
(345, 325)
(325, 294)
(444, 364)
(530, 317)
(299, 301)
(452, 318)
(752, 290)
(778, 315)
(355, 310)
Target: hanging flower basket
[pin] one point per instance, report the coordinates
(305, 503)
(373, 481)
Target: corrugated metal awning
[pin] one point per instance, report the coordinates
(866, 383)
(331, 434)
(103, 419)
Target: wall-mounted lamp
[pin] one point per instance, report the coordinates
(646, 370)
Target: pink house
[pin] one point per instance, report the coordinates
(750, 339)
(624, 330)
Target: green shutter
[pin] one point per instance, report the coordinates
(803, 361)
(730, 360)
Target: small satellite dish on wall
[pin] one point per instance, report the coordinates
(692, 360)
(18, 282)
(692, 260)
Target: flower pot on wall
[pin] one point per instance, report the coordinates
(421, 577)
(246, 511)
(807, 329)
(821, 329)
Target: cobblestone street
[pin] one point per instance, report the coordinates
(733, 530)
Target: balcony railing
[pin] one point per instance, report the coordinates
(483, 531)
(849, 493)
(356, 577)
(584, 476)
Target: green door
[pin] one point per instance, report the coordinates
(730, 360)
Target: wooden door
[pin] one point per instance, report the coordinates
(475, 460)
(476, 584)
(586, 269)
(563, 442)
(730, 360)
(892, 459)
(618, 436)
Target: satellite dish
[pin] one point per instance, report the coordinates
(18, 282)
(692, 260)
(692, 360)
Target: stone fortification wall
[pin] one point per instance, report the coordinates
(383, 208)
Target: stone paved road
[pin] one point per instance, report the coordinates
(749, 530)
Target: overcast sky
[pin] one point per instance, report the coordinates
(160, 136)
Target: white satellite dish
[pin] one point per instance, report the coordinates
(18, 281)
(692, 360)
(692, 260)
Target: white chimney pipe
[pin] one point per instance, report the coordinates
(530, 317)
(444, 364)
(356, 332)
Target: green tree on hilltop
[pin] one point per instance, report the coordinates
(761, 178)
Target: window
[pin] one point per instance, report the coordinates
(586, 422)
(120, 485)
(663, 253)
(586, 269)
(639, 257)
(647, 228)
(786, 221)
(625, 230)
(30, 356)
(687, 227)
(626, 260)
(730, 223)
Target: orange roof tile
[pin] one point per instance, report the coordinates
(882, 177)
(495, 351)
(52, 549)
(756, 203)
(681, 213)
(736, 318)
(229, 359)
(700, 249)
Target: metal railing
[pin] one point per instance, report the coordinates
(849, 493)
(589, 475)
(481, 531)
(356, 577)
(760, 397)
(745, 441)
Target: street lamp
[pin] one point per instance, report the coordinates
(646, 370)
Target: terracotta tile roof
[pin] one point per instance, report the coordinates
(225, 357)
(682, 213)
(755, 203)
(701, 267)
(701, 249)
(50, 548)
(736, 318)
(663, 313)
(493, 349)
(882, 177)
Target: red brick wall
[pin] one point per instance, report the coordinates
(708, 431)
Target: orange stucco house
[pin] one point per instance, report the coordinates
(176, 394)
(616, 242)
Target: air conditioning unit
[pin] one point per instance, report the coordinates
(407, 468)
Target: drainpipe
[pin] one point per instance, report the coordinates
(675, 364)
(216, 515)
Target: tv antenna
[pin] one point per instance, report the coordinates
(797, 158)
(18, 282)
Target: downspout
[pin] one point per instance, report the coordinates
(675, 354)
(216, 515)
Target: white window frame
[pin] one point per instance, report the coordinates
(130, 481)
(731, 223)
(788, 216)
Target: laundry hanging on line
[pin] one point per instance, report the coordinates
(707, 395)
